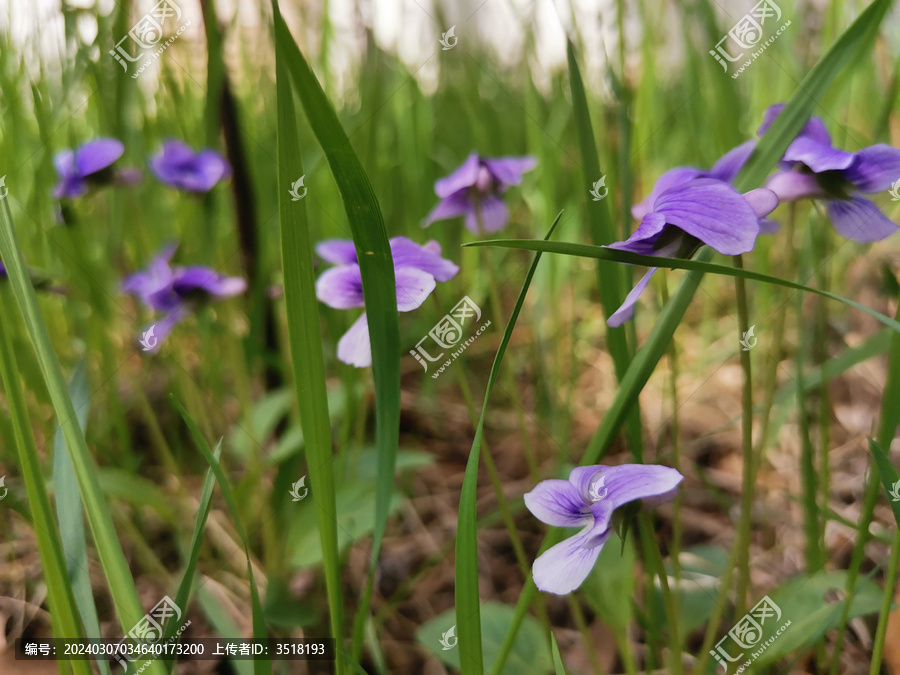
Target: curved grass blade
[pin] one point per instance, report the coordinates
(600, 253)
(468, 602)
(260, 666)
(63, 610)
(305, 339)
(379, 287)
(889, 478)
(557, 659)
(183, 596)
(121, 584)
(70, 514)
(603, 232)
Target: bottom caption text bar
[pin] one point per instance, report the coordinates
(185, 649)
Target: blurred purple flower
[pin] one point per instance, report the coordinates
(813, 169)
(416, 269)
(87, 164)
(175, 290)
(2, 271)
(177, 164)
(475, 189)
(587, 500)
(687, 213)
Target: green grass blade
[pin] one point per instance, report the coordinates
(183, 595)
(600, 253)
(259, 627)
(888, 473)
(468, 602)
(379, 287)
(603, 232)
(305, 339)
(121, 585)
(69, 513)
(557, 659)
(63, 610)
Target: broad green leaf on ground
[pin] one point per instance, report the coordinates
(530, 654)
(806, 603)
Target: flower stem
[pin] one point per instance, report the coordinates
(743, 535)
(889, 583)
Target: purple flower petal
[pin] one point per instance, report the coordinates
(493, 216)
(70, 187)
(509, 170)
(875, 168)
(562, 568)
(178, 165)
(767, 226)
(762, 200)
(337, 251)
(413, 287)
(64, 162)
(455, 205)
(558, 503)
(671, 178)
(341, 287)
(97, 155)
(619, 485)
(860, 220)
(464, 177)
(163, 327)
(791, 186)
(189, 279)
(813, 129)
(407, 253)
(817, 156)
(354, 347)
(643, 240)
(713, 212)
(730, 164)
(626, 311)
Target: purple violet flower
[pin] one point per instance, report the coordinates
(687, 212)
(475, 189)
(85, 165)
(416, 269)
(587, 500)
(813, 169)
(175, 290)
(177, 164)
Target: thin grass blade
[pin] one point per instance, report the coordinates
(468, 602)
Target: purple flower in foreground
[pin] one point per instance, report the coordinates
(812, 168)
(88, 164)
(175, 290)
(474, 190)
(416, 269)
(687, 212)
(587, 500)
(177, 164)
